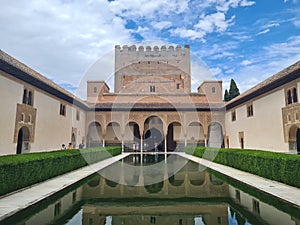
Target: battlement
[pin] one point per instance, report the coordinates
(155, 49)
(170, 59)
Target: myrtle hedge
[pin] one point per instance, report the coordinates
(280, 167)
(19, 171)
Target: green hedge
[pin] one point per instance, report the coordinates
(19, 171)
(280, 167)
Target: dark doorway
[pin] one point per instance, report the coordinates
(20, 142)
(153, 136)
(242, 143)
(298, 141)
(174, 137)
(23, 140)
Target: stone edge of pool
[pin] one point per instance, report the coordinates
(17, 201)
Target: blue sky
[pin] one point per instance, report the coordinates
(241, 39)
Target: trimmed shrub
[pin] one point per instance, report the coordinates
(276, 166)
(19, 171)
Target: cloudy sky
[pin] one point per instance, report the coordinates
(241, 39)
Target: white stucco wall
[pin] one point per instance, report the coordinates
(264, 130)
(52, 129)
(11, 94)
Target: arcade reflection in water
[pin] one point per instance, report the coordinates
(191, 196)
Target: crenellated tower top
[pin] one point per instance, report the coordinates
(178, 57)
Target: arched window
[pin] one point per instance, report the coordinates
(29, 119)
(289, 97)
(22, 117)
(95, 90)
(25, 96)
(295, 97)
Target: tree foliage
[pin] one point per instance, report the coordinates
(233, 91)
(226, 96)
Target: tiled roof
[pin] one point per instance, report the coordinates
(288, 74)
(33, 74)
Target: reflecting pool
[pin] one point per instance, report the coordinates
(158, 189)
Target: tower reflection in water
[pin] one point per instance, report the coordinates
(184, 194)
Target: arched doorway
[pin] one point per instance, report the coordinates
(195, 134)
(175, 137)
(153, 134)
(23, 144)
(94, 136)
(132, 138)
(298, 141)
(294, 139)
(215, 135)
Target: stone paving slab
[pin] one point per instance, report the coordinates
(20, 200)
(274, 188)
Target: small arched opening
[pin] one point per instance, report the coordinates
(23, 142)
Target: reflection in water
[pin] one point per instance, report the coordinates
(191, 196)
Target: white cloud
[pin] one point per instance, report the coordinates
(161, 25)
(288, 49)
(188, 33)
(216, 21)
(296, 23)
(216, 71)
(271, 25)
(263, 32)
(230, 71)
(224, 6)
(247, 3)
(146, 8)
(246, 62)
(60, 39)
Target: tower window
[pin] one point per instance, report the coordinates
(177, 86)
(152, 88)
(213, 90)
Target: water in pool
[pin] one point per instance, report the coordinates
(158, 189)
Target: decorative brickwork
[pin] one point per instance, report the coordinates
(25, 116)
